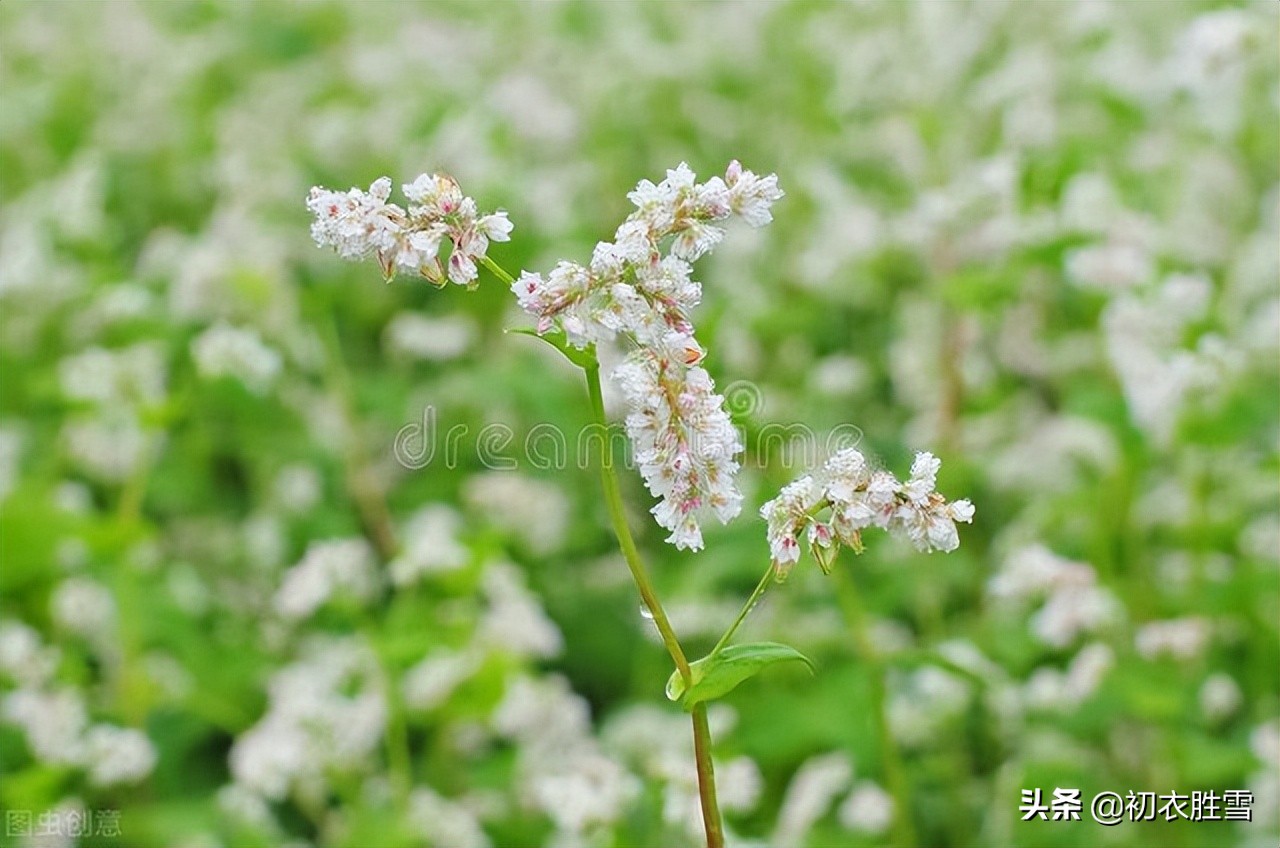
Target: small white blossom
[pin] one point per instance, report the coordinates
(358, 224)
(684, 441)
(868, 809)
(430, 545)
(53, 721)
(1220, 696)
(118, 755)
(417, 337)
(429, 684)
(226, 351)
(84, 607)
(327, 711)
(1072, 612)
(515, 621)
(809, 795)
(336, 566)
(1181, 639)
(126, 375)
(859, 498)
(442, 821)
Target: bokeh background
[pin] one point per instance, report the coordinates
(1039, 240)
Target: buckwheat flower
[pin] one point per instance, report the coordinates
(226, 351)
(816, 784)
(868, 809)
(751, 197)
(84, 607)
(118, 755)
(429, 684)
(1072, 612)
(855, 498)
(1035, 571)
(360, 224)
(683, 439)
(52, 721)
(515, 621)
(334, 567)
(1052, 690)
(326, 712)
(444, 822)
(1177, 638)
(357, 223)
(23, 656)
(430, 545)
(1220, 697)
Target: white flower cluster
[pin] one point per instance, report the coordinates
(329, 567)
(684, 441)
(226, 351)
(55, 721)
(327, 713)
(1051, 689)
(358, 224)
(859, 497)
(657, 744)
(1183, 639)
(562, 770)
(1074, 604)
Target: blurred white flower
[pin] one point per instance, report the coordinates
(53, 721)
(84, 607)
(332, 567)
(1112, 266)
(430, 545)
(1073, 611)
(429, 683)
(813, 788)
(116, 755)
(110, 446)
(1181, 639)
(326, 711)
(23, 655)
(410, 335)
(868, 809)
(226, 351)
(127, 375)
(1220, 697)
(515, 621)
(1050, 689)
(10, 458)
(535, 511)
(442, 821)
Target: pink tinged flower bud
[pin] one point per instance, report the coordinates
(733, 172)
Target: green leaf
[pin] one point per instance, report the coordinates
(716, 675)
(581, 357)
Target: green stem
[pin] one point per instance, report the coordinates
(895, 774)
(498, 270)
(706, 777)
(639, 574)
(760, 589)
(701, 730)
(613, 500)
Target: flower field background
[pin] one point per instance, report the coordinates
(290, 556)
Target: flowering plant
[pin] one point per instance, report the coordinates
(681, 434)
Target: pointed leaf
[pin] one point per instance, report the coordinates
(581, 357)
(718, 674)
